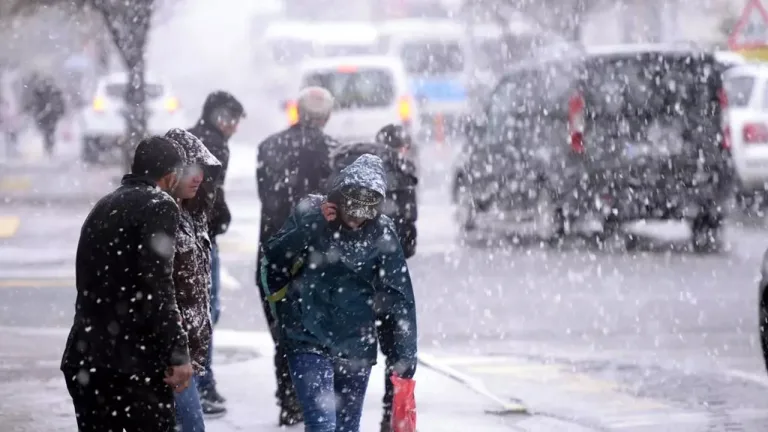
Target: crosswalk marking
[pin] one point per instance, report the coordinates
(9, 225)
(559, 378)
(15, 183)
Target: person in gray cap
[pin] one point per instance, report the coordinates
(290, 165)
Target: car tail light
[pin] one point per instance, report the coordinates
(755, 133)
(576, 123)
(722, 99)
(99, 104)
(171, 104)
(404, 109)
(292, 111)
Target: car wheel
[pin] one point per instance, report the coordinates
(549, 222)
(466, 209)
(707, 234)
(89, 150)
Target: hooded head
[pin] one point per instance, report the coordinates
(394, 136)
(223, 111)
(197, 162)
(360, 187)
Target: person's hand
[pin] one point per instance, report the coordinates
(329, 211)
(178, 377)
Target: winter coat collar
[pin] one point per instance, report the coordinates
(137, 180)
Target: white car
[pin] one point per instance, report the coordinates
(285, 44)
(370, 92)
(103, 123)
(747, 93)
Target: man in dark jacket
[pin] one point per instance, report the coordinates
(221, 115)
(290, 165)
(44, 102)
(127, 350)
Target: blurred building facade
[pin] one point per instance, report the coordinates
(638, 21)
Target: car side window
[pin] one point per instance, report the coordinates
(739, 90)
(504, 102)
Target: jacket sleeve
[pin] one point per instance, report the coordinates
(322, 162)
(221, 217)
(286, 247)
(262, 171)
(395, 305)
(156, 253)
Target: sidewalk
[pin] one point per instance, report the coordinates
(33, 397)
(443, 404)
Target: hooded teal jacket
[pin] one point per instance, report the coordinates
(345, 279)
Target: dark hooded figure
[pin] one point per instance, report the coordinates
(221, 116)
(334, 267)
(44, 101)
(195, 195)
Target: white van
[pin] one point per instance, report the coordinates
(370, 92)
(285, 44)
(436, 58)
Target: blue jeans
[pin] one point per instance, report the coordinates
(331, 391)
(207, 381)
(189, 412)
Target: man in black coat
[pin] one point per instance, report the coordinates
(44, 101)
(127, 351)
(221, 116)
(290, 165)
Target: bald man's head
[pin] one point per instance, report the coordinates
(315, 105)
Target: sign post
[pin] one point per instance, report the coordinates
(750, 35)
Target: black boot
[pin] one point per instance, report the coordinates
(290, 416)
(212, 410)
(212, 395)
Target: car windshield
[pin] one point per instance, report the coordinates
(651, 85)
(656, 102)
(432, 58)
(364, 88)
(117, 90)
(290, 52)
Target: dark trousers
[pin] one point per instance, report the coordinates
(113, 402)
(286, 393)
(386, 337)
(48, 130)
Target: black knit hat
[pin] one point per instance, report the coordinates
(394, 136)
(155, 157)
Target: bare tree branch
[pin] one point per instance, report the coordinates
(128, 23)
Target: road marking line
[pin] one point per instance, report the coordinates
(15, 183)
(37, 283)
(474, 384)
(9, 225)
(562, 378)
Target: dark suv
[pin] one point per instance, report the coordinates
(616, 134)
